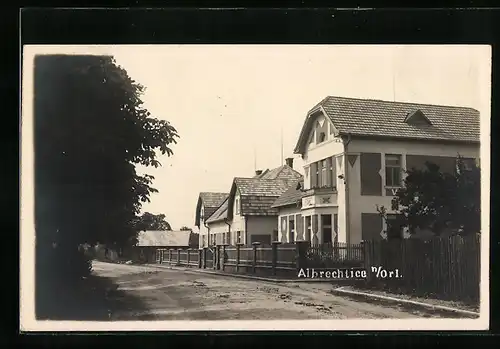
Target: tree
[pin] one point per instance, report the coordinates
(149, 221)
(185, 228)
(91, 131)
(431, 199)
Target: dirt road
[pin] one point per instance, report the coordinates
(156, 293)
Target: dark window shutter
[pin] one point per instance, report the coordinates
(333, 161)
(371, 226)
(371, 181)
(314, 167)
(328, 172)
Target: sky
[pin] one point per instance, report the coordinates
(232, 105)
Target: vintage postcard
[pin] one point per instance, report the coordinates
(255, 187)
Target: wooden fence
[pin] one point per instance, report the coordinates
(447, 267)
(185, 257)
(335, 255)
(277, 259)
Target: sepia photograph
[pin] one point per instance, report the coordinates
(255, 187)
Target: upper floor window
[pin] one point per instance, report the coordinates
(237, 205)
(393, 170)
(238, 237)
(323, 173)
(324, 176)
(322, 137)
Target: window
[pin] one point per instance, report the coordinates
(201, 214)
(238, 237)
(333, 172)
(308, 228)
(322, 137)
(324, 177)
(317, 175)
(228, 238)
(392, 170)
(237, 205)
(291, 229)
(224, 236)
(394, 226)
(326, 224)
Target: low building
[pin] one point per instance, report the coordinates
(149, 241)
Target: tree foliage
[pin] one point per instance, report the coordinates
(431, 199)
(91, 131)
(150, 221)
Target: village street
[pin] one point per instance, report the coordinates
(156, 293)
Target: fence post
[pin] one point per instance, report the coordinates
(200, 258)
(301, 252)
(223, 256)
(205, 257)
(188, 255)
(238, 246)
(215, 257)
(170, 255)
(254, 261)
(160, 251)
(275, 255)
(178, 257)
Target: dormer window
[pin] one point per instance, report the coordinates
(417, 118)
(322, 137)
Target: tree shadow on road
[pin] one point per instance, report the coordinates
(94, 298)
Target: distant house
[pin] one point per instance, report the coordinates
(246, 216)
(206, 205)
(355, 154)
(149, 241)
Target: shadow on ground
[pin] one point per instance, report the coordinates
(94, 298)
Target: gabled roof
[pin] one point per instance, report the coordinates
(377, 118)
(293, 196)
(210, 201)
(282, 172)
(179, 238)
(220, 213)
(257, 195)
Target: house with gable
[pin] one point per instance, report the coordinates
(355, 154)
(246, 216)
(206, 205)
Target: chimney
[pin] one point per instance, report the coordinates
(258, 172)
(289, 162)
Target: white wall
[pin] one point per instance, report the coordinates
(238, 222)
(286, 212)
(218, 228)
(367, 204)
(316, 152)
(202, 230)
